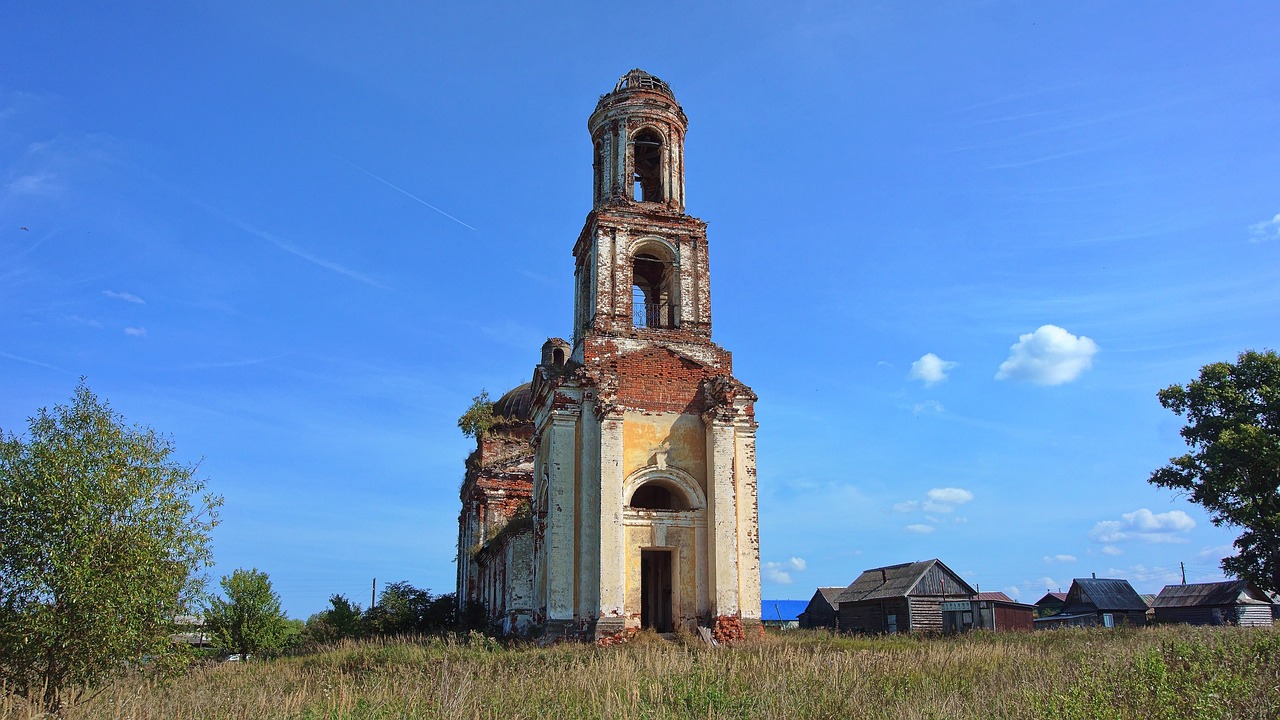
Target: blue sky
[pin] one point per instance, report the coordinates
(956, 249)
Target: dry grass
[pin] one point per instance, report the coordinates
(1168, 672)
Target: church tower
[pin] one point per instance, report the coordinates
(644, 504)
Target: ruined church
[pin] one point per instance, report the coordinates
(617, 489)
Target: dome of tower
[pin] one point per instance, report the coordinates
(516, 405)
(638, 79)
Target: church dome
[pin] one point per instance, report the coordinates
(516, 405)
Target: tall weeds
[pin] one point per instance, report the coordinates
(1167, 672)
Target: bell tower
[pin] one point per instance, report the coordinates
(644, 492)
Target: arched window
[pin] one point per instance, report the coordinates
(652, 300)
(657, 496)
(597, 166)
(646, 156)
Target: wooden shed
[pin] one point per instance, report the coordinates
(1108, 602)
(1233, 602)
(821, 610)
(910, 597)
(997, 611)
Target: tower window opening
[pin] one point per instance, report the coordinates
(651, 301)
(647, 164)
(597, 166)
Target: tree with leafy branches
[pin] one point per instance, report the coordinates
(249, 620)
(103, 539)
(1232, 413)
(478, 419)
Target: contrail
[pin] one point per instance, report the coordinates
(294, 250)
(399, 189)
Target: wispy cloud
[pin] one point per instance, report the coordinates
(37, 183)
(404, 192)
(299, 252)
(1048, 356)
(29, 361)
(231, 363)
(919, 528)
(135, 331)
(931, 369)
(125, 296)
(1060, 558)
(1265, 230)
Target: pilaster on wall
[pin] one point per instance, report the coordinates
(613, 558)
(560, 542)
(748, 520)
(589, 502)
(722, 543)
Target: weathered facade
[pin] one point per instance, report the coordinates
(1233, 602)
(910, 597)
(1108, 602)
(997, 611)
(643, 504)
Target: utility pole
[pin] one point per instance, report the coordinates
(373, 594)
(1184, 572)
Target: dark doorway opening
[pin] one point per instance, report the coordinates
(655, 590)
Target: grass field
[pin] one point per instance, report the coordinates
(1165, 672)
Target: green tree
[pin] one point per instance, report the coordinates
(478, 419)
(1232, 414)
(342, 620)
(103, 539)
(249, 620)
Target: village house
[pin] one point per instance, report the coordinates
(619, 489)
(910, 597)
(1232, 602)
(1098, 601)
(1050, 604)
(997, 611)
(821, 610)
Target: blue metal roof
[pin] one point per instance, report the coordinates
(782, 610)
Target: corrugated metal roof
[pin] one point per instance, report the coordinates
(1230, 592)
(1102, 594)
(998, 596)
(782, 610)
(1061, 597)
(893, 581)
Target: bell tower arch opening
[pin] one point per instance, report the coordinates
(646, 160)
(653, 287)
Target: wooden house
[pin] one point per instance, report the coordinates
(911, 597)
(1098, 601)
(1233, 602)
(821, 610)
(1050, 604)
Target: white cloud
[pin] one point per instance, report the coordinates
(774, 573)
(780, 572)
(1060, 558)
(1142, 524)
(930, 369)
(944, 500)
(919, 528)
(1143, 575)
(906, 506)
(962, 520)
(1265, 230)
(1217, 552)
(1111, 550)
(125, 296)
(1048, 356)
(135, 332)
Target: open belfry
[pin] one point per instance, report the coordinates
(617, 489)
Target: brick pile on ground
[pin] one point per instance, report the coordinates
(728, 629)
(617, 638)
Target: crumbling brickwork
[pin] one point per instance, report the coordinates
(640, 446)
